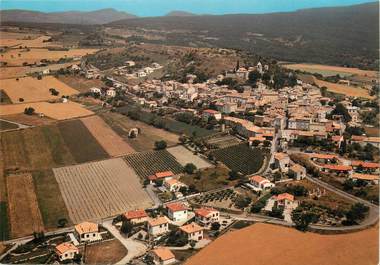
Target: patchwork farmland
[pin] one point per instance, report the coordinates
(108, 139)
(184, 156)
(149, 163)
(82, 145)
(241, 158)
(96, 190)
(29, 89)
(25, 216)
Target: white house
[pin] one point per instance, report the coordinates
(282, 161)
(177, 212)
(130, 63)
(211, 113)
(140, 74)
(284, 201)
(192, 231)
(95, 90)
(163, 256)
(259, 183)
(297, 171)
(158, 226)
(111, 93)
(87, 232)
(66, 251)
(165, 175)
(173, 185)
(148, 70)
(206, 216)
(136, 216)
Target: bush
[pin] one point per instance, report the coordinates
(189, 168)
(160, 145)
(29, 111)
(215, 226)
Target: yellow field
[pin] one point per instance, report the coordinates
(349, 91)
(34, 90)
(36, 42)
(262, 244)
(333, 70)
(57, 111)
(16, 57)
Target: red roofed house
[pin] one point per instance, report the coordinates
(165, 175)
(158, 226)
(163, 256)
(192, 231)
(282, 161)
(297, 171)
(336, 168)
(366, 166)
(177, 212)
(259, 183)
(87, 232)
(374, 179)
(211, 113)
(206, 216)
(136, 216)
(66, 251)
(173, 185)
(325, 158)
(284, 201)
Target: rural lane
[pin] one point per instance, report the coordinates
(135, 248)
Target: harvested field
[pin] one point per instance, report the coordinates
(349, 91)
(222, 141)
(57, 111)
(25, 216)
(33, 90)
(328, 70)
(5, 125)
(13, 148)
(82, 145)
(148, 134)
(17, 57)
(101, 189)
(109, 252)
(241, 158)
(49, 199)
(262, 244)
(31, 120)
(148, 163)
(4, 99)
(81, 84)
(184, 156)
(31, 41)
(108, 139)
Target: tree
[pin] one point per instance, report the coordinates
(189, 168)
(192, 243)
(303, 218)
(341, 110)
(160, 145)
(276, 212)
(215, 226)
(77, 258)
(254, 76)
(255, 143)
(62, 222)
(126, 227)
(267, 143)
(233, 175)
(242, 202)
(29, 111)
(357, 212)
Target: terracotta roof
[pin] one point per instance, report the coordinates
(337, 138)
(158, 221)
(176, 207)
(285, 196)
(64, 247)
(322, 156)
(258, 179)
(164, 174)
(258, 138)
(358, 138)
(135, 214)
(338, 167)
(297, 168)
(365, 164)
(163, 253)
(372, 139)
(280, 156)
(205, 211)
(172, 182)
(191, 228)
(86, 227)
(210, 111)
(364, 176)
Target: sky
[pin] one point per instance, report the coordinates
(146, 8)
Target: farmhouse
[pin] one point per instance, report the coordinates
(366, 166)
(87, 232)
(163, 256)
(192, 231)
(374, 179)
(158, 226)
(66, 251)
(297, 171)
(281, 161)
(136, 216)
(177, 212)
(111, 93)
(95, 90)
(208, 113)
(284, 201)
(259, 183)
(206, 216)
(328, 168)
(173, 185)
(166, 175)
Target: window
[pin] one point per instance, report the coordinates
(87, 235)
(93, 234)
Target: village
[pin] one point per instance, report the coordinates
(157, 166)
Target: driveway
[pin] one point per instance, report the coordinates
(135, 248)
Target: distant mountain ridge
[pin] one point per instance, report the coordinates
(179, 13)
(101, 16)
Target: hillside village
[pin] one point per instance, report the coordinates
(158, 165)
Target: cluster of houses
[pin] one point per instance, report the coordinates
(125, 70)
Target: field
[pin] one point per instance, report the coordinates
(148, 134)
(82, 145)
(327, 70)
(25, 40)
(33, 90)
(287, 246)
(344, 90)
(4, 99)
(17, 57)
(222, 141)
(109, 252)
(185, 156)
(148, 163)
(25, 217)
(101, 189)
(241, 158)
(31, 120)
(57, 111)
(5, 125)
(81, 84)
(108, 139)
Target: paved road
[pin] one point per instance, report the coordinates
(135, 248)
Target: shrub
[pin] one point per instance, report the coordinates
(160, 145)
(189, 168)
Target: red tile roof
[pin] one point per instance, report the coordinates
(365, 164)
(258, 179)
(135, 214)
(176, 207)
(338, 167)
(191, 228)
(64, 247)
(285, 196)
(205, 211)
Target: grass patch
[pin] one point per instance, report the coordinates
(49, 197)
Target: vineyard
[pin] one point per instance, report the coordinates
(222, 141)
(241, 158)
(100, 189)
(149, 163)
